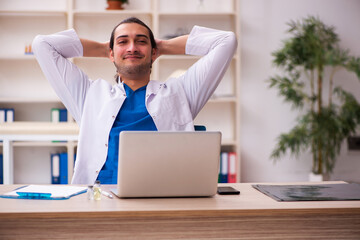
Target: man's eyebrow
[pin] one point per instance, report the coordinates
(142, 35)
(122, 36)
(137, 35)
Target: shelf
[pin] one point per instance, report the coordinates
(32, 97)
(29, 13)
(41, 144)
(206, 14)
(222, 100)
(184, 57)
(104, 59)
(49, 128)
(29, 100)
(18, 57)
(228, 142)
(178, 57)
(111, 12)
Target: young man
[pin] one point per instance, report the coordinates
(135, 103)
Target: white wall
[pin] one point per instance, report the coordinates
(264, 115)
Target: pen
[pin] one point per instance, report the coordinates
(107, 194)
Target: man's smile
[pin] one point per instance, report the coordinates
(133, 56)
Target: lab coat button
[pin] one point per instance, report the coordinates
(113, 116)
(106, 145)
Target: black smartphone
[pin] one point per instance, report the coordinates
(227, 191)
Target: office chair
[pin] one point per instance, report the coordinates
(200, 128)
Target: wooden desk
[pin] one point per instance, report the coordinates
(250, 215)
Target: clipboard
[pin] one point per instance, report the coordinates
(45, 192)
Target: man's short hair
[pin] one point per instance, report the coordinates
(133, 20)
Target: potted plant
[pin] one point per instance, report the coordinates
(309, 60)
(116, 4)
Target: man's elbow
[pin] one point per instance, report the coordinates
(232, 41)
(38, 43)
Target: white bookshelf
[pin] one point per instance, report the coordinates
(24, 87)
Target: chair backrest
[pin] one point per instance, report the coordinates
(200, 128)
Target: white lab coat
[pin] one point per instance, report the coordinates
(95, 104)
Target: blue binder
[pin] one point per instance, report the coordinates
(63, 115)
(1, 169)
(9, 116)
(55, 168)
(224, 168)
(58, 115)
(63, 168)
(2, 115)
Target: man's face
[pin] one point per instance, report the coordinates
(132, 53)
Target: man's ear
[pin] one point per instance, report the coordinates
(154, 54)
(112, 55)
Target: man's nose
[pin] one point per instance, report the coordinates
(132, 47)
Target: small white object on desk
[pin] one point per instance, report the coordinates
(106, 194)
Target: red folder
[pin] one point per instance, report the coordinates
(232, 167)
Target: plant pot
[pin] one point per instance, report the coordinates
(114, 5)
(313, 177)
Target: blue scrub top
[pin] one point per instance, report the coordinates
(133, 116)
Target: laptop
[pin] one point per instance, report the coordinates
(168, 164)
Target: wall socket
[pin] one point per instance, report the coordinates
(354, 143)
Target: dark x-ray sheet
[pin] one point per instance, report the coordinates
(317, 192)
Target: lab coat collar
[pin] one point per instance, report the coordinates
(153, 86)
